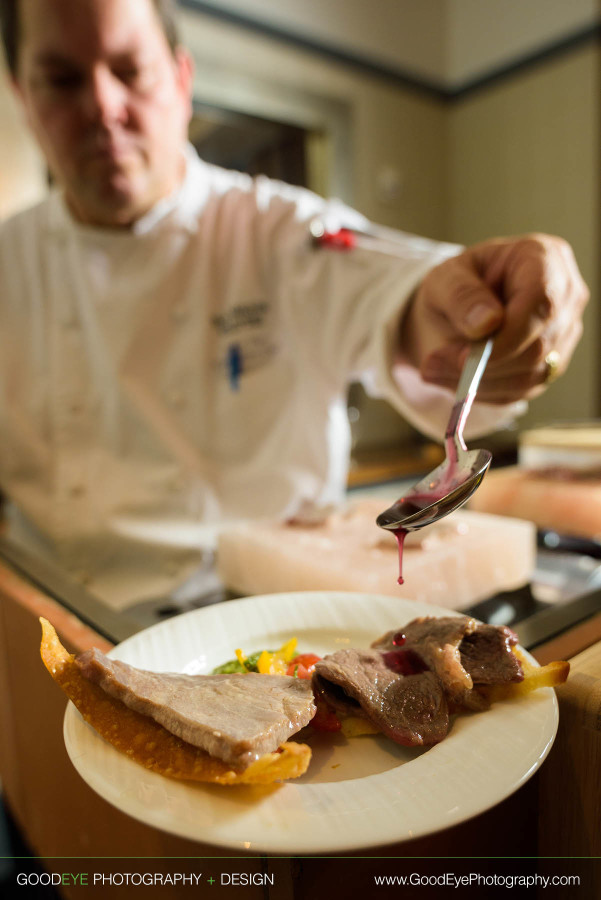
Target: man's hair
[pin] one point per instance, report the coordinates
(10, 27)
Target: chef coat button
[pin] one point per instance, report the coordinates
(76, 408)
(77, 490)
(316, 228)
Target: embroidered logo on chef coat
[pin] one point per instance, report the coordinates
(244, 346)
(248, 315)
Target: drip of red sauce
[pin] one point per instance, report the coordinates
(415, 502)
(400, 535)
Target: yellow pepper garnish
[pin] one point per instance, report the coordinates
(288, 650)
(240, 657)
(264, 663)
(277, 663)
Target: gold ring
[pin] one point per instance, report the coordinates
(552, 360)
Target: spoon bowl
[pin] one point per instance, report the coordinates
(453, 482)
(421, 506)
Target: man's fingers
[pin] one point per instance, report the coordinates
(539, 282)
(507, 380)
(527, 292)
(471, 308)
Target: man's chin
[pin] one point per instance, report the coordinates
(113, 205)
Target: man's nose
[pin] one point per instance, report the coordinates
(104, 98)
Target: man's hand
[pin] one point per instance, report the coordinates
(527, 291)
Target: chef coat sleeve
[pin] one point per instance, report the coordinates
(352, 302)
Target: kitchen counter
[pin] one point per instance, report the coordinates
(61, 817)
(382, 464)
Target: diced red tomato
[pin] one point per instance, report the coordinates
(302, 665)
(298, 671)
(325, 719)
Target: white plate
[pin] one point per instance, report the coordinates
(356, 794)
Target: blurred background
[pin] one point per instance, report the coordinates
(456, 119)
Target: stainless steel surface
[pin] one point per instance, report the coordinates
(459, 475)
(568, 543)
(545, 624)
(202, 588)
(565, 589)
(115, 626)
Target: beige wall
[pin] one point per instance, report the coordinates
(383, 126)
(523, 156)
(520, 155)
(22, 171)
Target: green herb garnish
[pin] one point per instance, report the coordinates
(234, 665)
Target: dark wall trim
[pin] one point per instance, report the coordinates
(401, 77)
(329, 51)
(588, 35)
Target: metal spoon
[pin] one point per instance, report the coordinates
(457, 477)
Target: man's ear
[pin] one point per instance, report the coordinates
(16, 87)
(19, 95)
(184, 65)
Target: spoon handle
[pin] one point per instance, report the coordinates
(472, 373)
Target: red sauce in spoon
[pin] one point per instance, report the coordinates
(416, 502)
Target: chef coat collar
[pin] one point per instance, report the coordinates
(179, 210)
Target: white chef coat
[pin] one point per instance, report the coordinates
(190, 370)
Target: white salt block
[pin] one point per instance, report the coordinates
(465, 558)
(564, 501)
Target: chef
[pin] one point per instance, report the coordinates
(175, 346)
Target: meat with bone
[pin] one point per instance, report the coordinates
(236, 718)
(412, 710)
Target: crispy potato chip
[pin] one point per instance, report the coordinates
(355, 726)
(148, 743)
(535, 677)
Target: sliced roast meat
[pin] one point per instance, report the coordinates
(486, 655)
(462, 652)
(412, 710)
(236, 718)
(436, 641)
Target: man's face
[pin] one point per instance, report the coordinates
(107, 101)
